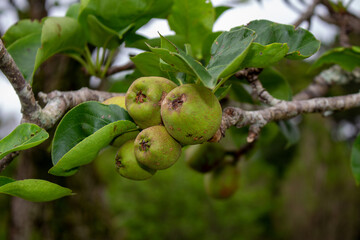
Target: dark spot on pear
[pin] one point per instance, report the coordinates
(177, 103)
(140, 97)
(144, 145)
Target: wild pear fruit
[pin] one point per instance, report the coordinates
(156, 149)
(118, 100)
(222, 182)
(143, 99)
(204, 157)
(127, 165)
(191, 114)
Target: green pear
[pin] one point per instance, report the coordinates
(204, 157)
(191, 114)
(156, 149)
(222, 182)
(143, 99)
(123, 138)
(127, 165)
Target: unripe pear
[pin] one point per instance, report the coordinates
(191, 114)
(222, 182)
(118, 100)
(143, 99)
(156, 149)
(127, 165)
(204, 157)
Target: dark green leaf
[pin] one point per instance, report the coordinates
(207, 46)
(220, 10)
(24, 136)
(85, 130)
(276, 84)
(60, 35)
(355, 159)
(175, 59)
(24, 53)
(193, 19)
(238, 92)
(301, 43)
(347, 58)
(228, 52)
(222, 92)
(120, 15)
(148, 64)
(21, 29)
(35, 190)
(260, 56)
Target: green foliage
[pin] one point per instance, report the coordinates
(105, 22)
(34, 190)
(347, 58)
(355, 160)
(60, 34)
(20, 30)
(85, 130)
(24, 136)
(302, 44)
(194, 20)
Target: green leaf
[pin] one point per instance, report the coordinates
(355, 159)
(141, 42)
(193, 19)
(260, 56)
(276, 84)
(24, 136)
(219, 10)
(181, 62)
(301, 43)
(85, 130)
(60, 35)
(207, 46)
(73, 11)
(20, 30)
(148, 64)
(24, 53)
(103, 36)
(35, 190)
(120, 15)
(228, 52)
(347, 58)
(222, 92)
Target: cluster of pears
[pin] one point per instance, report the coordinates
(170, 117)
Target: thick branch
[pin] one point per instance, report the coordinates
(22, 88)
(252, 76)
(57, 103)
(322, 82)
(285, 110)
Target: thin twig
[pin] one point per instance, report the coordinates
(306, 16)
(115, 69)
(7, 160)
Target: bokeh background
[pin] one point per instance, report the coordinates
(302, 191)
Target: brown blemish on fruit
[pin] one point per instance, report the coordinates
(178, 102)
(144, 145)
(189, 135)
(140, 97)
